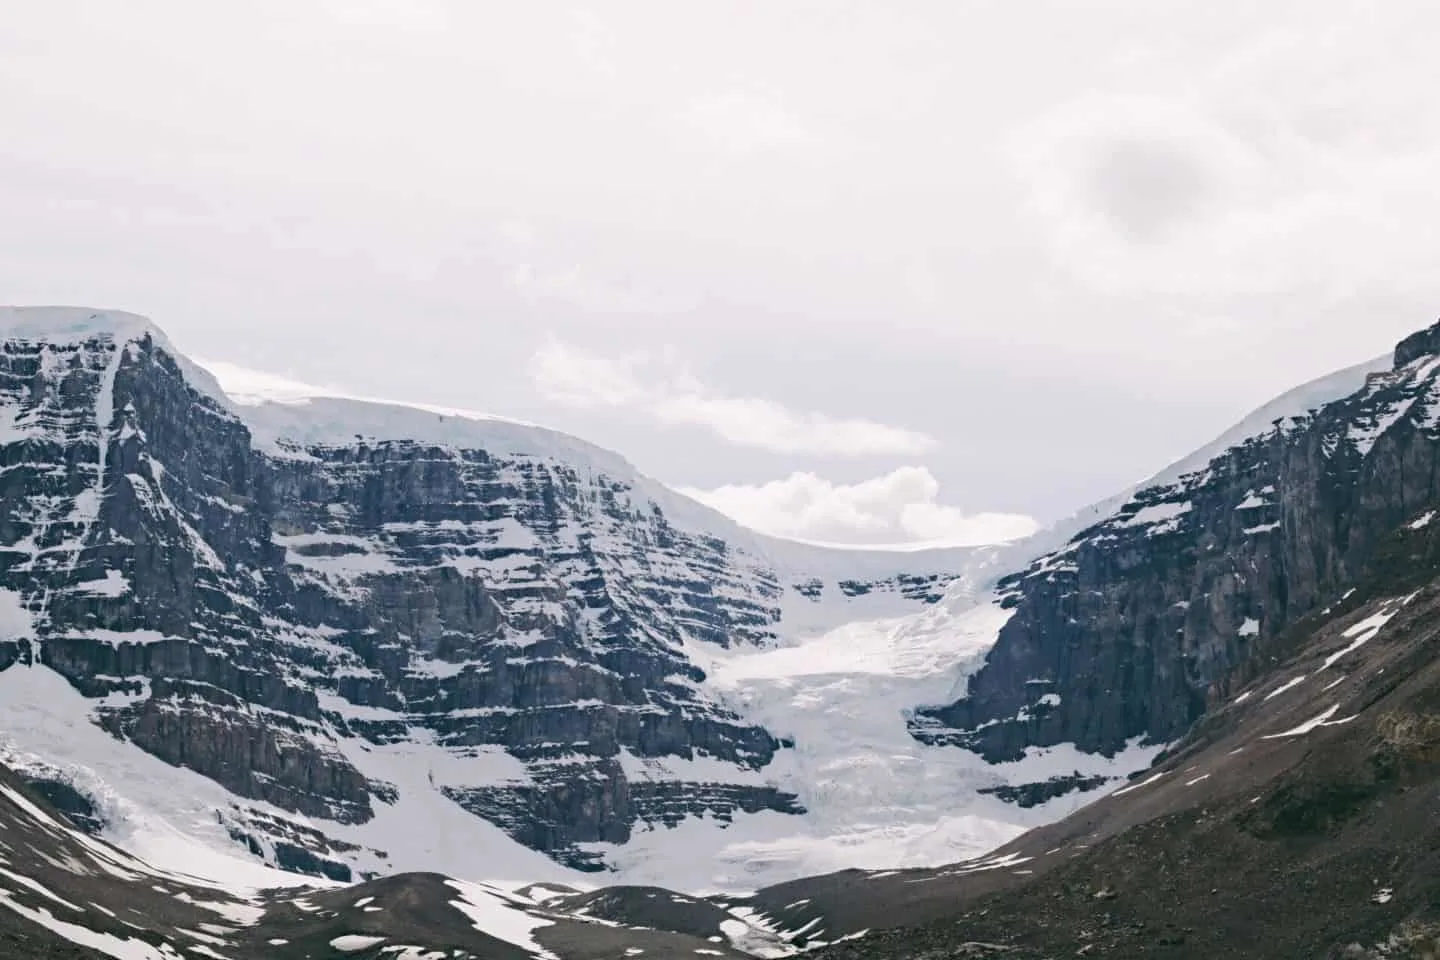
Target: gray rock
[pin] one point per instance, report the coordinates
(1149, 616)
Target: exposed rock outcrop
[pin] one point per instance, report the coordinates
(1147, 617)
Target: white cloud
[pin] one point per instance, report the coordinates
(661, 387)
(896, 508)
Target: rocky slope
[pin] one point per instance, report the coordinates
(1156, 612)
(329, 607)
(67, 896)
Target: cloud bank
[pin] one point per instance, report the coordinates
(899, 507)
(662, 388)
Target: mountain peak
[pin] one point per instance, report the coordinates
(68, 324)
(1422, 343)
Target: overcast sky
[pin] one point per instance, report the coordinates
(873, 271)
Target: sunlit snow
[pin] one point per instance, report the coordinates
(1360, 634)
(1314, 723)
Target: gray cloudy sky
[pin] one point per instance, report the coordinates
(868, 271)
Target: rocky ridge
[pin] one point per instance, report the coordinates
(1156, 612)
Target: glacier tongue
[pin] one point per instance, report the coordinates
(875, 797)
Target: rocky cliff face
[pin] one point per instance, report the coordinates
(1158, 610)
(274, 614)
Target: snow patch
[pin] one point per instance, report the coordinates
(1261, 528)
(1160, 517)
(16, 621)
(1136, 786)
(1314, 723)
(108, 944)
(1360, 634)
(114, 584)
(354, 942)
(1287, 685)
(500, 915)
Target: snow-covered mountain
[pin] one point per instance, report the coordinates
(353, 637)
(349, 639)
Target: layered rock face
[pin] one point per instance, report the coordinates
(482, 601)
(1159, 609)
(259, 610)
